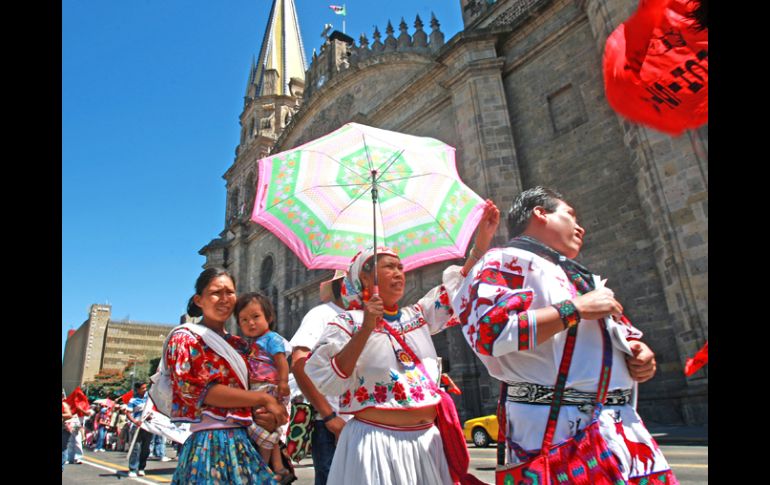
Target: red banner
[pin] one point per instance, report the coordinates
(656, 67)
(78, 402)
(127, 396)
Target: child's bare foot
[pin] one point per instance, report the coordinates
(284, 476)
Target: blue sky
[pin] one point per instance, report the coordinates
(151, 94)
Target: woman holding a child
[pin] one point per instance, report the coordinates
(209, 391)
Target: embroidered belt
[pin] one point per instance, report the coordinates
(536, 394)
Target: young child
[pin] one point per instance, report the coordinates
(268, 370)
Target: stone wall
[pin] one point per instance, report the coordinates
(671, 180)
(351, 95)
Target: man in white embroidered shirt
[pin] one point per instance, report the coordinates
(516, 306)
(328, 425)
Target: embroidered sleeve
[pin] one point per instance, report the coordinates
(436, 305)
(493, 306)
(192, 374)
(322, 367)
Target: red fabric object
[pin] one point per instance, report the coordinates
(700, 359)
(453, 439)
(656, 67)
(451, 387)
(661, 478)
(127, 396)
(582, 459)
(78, 402)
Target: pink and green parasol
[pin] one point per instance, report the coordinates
(317, 198)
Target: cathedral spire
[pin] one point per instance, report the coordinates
(251, 75)
(282, 55)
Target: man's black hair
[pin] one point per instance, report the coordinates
(521, 209)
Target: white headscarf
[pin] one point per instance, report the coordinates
(352, 288)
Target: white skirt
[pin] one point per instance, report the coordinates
(370, 454)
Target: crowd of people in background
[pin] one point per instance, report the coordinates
(104, 428)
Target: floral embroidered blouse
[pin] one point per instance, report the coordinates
(384, 376)
(194, 369)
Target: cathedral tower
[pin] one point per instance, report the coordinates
(274, 89)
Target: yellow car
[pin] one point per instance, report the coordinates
(481, 431)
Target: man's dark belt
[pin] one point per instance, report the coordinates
(536, 394)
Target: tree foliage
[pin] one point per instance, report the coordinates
(114, 384)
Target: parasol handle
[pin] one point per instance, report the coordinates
(374, 224)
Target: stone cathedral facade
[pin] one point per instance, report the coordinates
(519, 92)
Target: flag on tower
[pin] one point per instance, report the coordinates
(339, 10)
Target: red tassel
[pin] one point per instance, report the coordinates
(700, 359)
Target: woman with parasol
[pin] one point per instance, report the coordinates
(379, 358)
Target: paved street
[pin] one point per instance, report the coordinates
(690, 463)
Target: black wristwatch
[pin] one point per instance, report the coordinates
(329, 417)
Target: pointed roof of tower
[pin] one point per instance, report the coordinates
(252, 69)
(282, 48)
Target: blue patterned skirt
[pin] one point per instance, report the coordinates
(221, 456)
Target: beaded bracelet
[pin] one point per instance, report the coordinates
(473, 253)
(329, 417)
(567, 312)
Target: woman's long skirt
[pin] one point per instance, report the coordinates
(372, 454)
(221, 456)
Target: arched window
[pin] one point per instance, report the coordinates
(266, 273)
(249, 191)
(234, 203)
